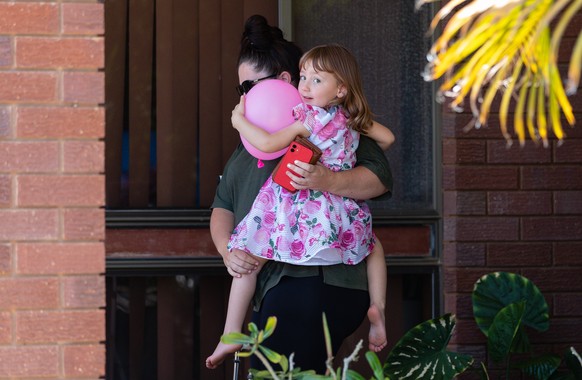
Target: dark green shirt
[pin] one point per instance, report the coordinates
(239, 186)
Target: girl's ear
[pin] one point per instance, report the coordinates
(285, 76)
(342, 91)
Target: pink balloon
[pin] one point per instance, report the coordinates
(269, 105)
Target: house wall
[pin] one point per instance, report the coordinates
(514, 209)
(52, 295)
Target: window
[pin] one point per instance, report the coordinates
(170, 77)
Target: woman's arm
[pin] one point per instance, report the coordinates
(261, 139)
(221, 225)
(371, 177)
(381, 134)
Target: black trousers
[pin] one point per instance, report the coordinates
(298, 304)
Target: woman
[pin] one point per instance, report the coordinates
(296, 295)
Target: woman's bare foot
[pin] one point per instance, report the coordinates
(377, 336)
(220, 353)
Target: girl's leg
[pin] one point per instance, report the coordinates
(242, 290)
(377, 278)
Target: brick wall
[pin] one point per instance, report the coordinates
(517, 210)
(52, 294)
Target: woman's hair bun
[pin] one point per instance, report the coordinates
(259, 34)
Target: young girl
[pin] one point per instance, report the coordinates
(309, 227)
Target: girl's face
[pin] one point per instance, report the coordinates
(319, 88)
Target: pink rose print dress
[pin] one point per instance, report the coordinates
(311, 227)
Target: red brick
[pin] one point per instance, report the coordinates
(479, 178)
(83, 18)
(460, 304)
(463, 151)
(5, 259)
(28, 18)
(5, 328)
(60, 122)
(60, 258)
(552, 228)
(29, 293)
(6, 52)
(568, 304)
(562, 330)
(84, 291)
(405, 240)
(28, 224)
(481, 228)
(68, 53)
(462, 280)
(27, 86)
(464, 254)
(499, 152)
(464, 203)
(467, 332)
(5, 122)
(84, 87)
(569, 151)
(84, 157)
(27, 157)
(29, 361)
(568, 253)
(454, 125)
(60, 326)
(74, 190)
(519, 254)
(84, 361)
(84, 224)
(555, 279)
(520, 202)
(5, 190)
(568, 202)
(552, 177)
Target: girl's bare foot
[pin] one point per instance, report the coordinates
(377, 336)
(220, 353)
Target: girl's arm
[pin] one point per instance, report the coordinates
(381, 134)
(261, 139)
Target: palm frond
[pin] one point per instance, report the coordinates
(509, 46)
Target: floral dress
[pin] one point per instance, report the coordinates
(310, 227)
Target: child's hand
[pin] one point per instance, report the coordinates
(238, 113)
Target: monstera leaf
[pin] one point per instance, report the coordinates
(422, 353)
(494, 291)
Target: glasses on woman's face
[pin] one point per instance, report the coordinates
(246, 86)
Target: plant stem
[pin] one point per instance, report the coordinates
(352, 358)
(507, 367)
(267, 365)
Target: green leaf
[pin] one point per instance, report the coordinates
(503, 330)
(542, 367)
(270, 327)
(236, 338)
(375, 365)
(353, 375)
(253, 329)
(422, 354)
(574, 363)
(270, 354)
(494, 291)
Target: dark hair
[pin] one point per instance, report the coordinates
(264, 47)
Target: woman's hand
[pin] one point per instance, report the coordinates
(357, 183)
(239, 262)
(315, 177)
(238, 113)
